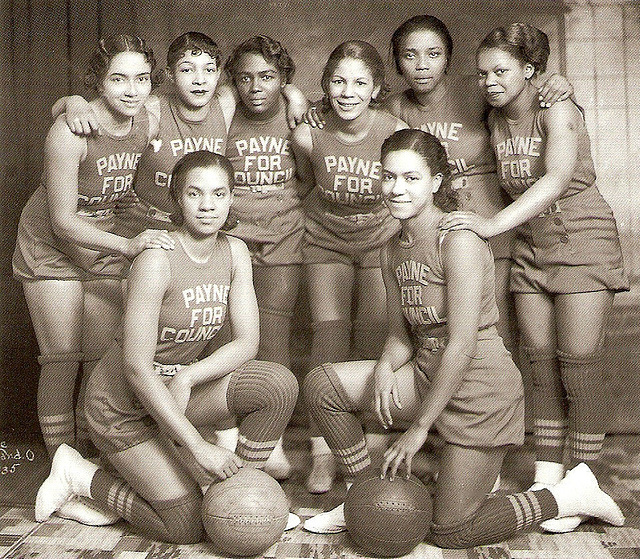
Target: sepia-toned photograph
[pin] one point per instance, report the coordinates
(320, 279)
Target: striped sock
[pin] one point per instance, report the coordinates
(548, 404)
(175, 520)
(499, 517)
(263, 395)
(589, 396)
(56, 386)
(331, 409)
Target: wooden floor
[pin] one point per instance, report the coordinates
(22, 537)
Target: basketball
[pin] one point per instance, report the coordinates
(388, 518)
(245, 514)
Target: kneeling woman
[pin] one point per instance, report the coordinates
(153, 388)
(443, 365)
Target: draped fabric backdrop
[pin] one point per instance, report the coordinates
(46, 44)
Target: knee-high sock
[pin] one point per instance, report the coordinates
(275, 333)
(369, 337)
(330, 408)
(331, 342)
(589, 398)
(56, 387)
(263, 395)
(175, 520)
(498, 518)
(549, 405)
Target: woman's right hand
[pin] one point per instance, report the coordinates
(386, 390)
(150, 238)
(80, 117)
(217, 461)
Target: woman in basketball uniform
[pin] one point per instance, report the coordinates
(567, 261)
(266, 212)
(443, 365)
(194, 114)
(153, 388)
(346, 220)
(69, 255)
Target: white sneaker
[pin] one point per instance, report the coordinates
(323, 472)
(560, 525)
(292, 521)
(330, 522)
(56, 490)
(87, 511)
(579, 494)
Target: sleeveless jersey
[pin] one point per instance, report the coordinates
(265, 169)
(520, 148)
(418, 269)
(107, 172)
(194, 306)
(176, 137)
(456, 118)
(348, 175)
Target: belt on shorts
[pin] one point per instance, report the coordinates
(155, 213)
(166, 370)
(106, 212)
(434, 344)
(260, 187)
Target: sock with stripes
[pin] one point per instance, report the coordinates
(263, 396)
(548, 404)
(174, 521)
(56, 386)
(330, 408)
(331, 342)
(498, 518)
(589, 397)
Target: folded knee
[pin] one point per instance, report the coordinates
(182, 519)
(453, 536)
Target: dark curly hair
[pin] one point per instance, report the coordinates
(111, 46)
(524, 42)
(195, 43)
(359, 50)
(434, 155)
(270, 49)
(420, 23)
(194, 160)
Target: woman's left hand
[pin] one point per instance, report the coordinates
(481, 226)
(180, 388)
(403, 451)
(296, 110)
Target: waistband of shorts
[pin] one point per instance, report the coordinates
(466, 181)
(104, 213)
(166, 370)
(354, 218)
(436, 343)
(260, 187)
(154, 213)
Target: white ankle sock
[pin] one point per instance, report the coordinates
(548, 473)
(319, 446)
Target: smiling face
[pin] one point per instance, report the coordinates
(351, 88)
(259, 84)
(195, 77)
(423, 60)
(205, 200)
(501, 76)
(127, 83)
(407, 184)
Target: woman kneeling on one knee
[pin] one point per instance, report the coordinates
(153, 390)
(443, 365)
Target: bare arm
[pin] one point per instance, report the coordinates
(561, 155)
(302, 145)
